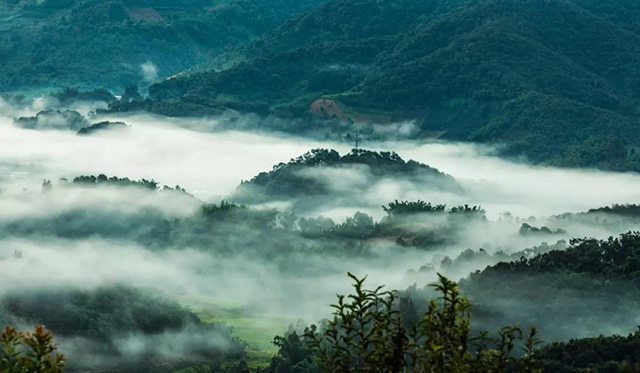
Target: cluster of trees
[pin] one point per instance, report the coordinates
(630, 210)
(378, 331)
(409, 208)
(610, 354)
(101, 126)
(103, 179)
(58, 118)
(614, 258)
(528, 230)
(615, 218)
(481, 258)
(370, 333)
(64, 97)
(271, 232)
(54, 119)
(233, 229)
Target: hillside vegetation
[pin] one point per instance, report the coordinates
(112, 43)
(555, 81)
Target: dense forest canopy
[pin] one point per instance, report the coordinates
(110, 44)
(552, 80)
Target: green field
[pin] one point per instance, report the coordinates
(256, 329)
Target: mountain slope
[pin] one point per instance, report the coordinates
(555, 81)
(113, 43)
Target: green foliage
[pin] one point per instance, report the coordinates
(615, 218)
(600, 354)
(631, 210)
(408, 208)
(70, 95)
(359, 226)
(528, 230)
(481, 258)
(613, 259)
(569, 293)
(114, 181)
(368, 334)
(29, 352)
(101, 126)
(294, 355)
(469, 211)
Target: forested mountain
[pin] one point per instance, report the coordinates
(113, 43)
(554, 80)
(567, 293)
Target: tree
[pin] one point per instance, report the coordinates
(29, 352)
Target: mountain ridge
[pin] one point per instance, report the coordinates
(540, 77)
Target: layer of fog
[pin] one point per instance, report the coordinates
(210, 164)
(188, 273)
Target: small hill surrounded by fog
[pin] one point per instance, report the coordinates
(53, 120)
(323, 177)
(102, 127)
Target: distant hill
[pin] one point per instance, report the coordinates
(588, 289)
(323, 177)
(553, 80)
(95, 322)
(101, 127)
(53, 119)
(112, 43)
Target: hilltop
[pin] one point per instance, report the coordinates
(324, 176)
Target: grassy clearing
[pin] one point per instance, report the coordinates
(256, 329)
(257, 332)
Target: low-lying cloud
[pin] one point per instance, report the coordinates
(211, 163)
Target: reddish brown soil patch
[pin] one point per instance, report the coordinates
(326, 109)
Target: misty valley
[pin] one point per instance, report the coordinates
(319, 186)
